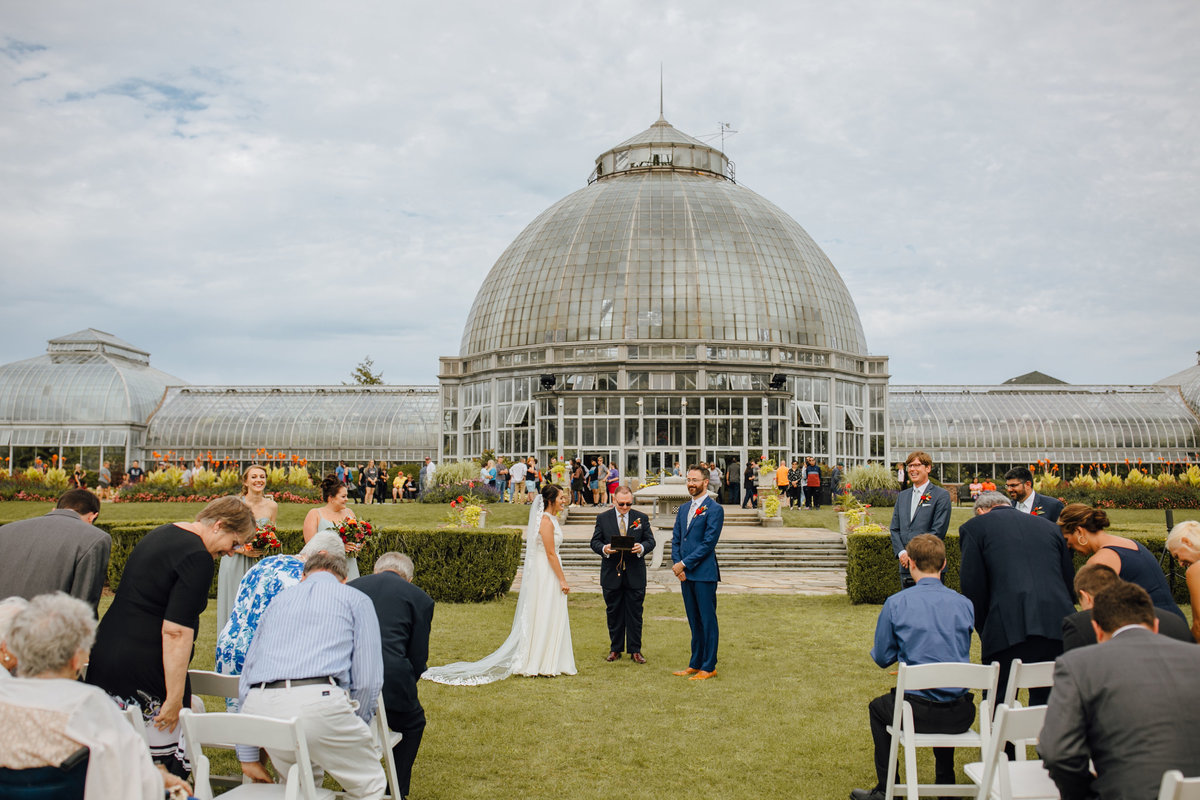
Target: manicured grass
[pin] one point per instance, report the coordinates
(786, 715)
(291, 515)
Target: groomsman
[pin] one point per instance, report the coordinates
(921, 508)
(623, 574)
(693, 548)
(1019, 484)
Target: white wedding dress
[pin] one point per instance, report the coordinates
(540, 641)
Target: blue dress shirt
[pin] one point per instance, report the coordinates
(319, 627)
(925, 624)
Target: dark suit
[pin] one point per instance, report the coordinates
(623, 578)
(57, 552)
(1077, 628)
(694, 544)
(1017, 571)
(405, 616)
(1128, 705)
(933, 516)
(1049, 507)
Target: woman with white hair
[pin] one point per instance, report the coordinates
(1184, 544)
(48, 714)
(9, 608)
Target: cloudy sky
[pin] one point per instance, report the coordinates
(267, 192)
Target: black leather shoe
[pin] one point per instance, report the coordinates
(867, 794)
(638, 658)
(613, 655)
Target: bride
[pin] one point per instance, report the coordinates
(540, 641)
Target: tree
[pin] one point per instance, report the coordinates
(364, 374)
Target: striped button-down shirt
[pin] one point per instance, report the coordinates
(316, 628)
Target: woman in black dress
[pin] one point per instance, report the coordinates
(144, 642)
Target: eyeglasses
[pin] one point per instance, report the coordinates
(914, 465)
(623, 505)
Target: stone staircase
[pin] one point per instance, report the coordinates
(740, 554)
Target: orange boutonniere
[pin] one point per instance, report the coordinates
(700, 511)
(1037, 511)
(637, 523)
(925, 498)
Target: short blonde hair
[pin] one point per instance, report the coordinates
(1185, 534)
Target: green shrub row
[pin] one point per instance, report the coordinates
(1130, 496)
(872, 575)
(452, 565)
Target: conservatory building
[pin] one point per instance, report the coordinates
(664, 314)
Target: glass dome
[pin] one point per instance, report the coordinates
(663, 245)
(87, 378)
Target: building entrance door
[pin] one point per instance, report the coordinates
(656, 463)
(722, 459)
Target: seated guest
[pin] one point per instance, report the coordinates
(9, 608)
(1090, 581)
(405, 616)
(925, 624)
(1126, 704)
(1083, 527)
(316, 656)
(48, 714)
(260, 585)
(1184, 545)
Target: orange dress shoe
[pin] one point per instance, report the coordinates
(683, 672)
(701, 675)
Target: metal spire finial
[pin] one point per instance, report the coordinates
(660, 91)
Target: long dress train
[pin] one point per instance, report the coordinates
(540, 640)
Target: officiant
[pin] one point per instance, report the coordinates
(622, 539)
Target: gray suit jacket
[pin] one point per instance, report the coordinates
(1127, 704)
(933, 516)
(58, 552)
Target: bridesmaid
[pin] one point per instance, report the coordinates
(327, 517)
(264, 509)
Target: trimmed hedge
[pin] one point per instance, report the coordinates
(1130, 496)
(872, 575)
(452, 565)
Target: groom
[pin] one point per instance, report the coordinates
(623, 575)
(693, 542)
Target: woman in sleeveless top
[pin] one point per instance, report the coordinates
(329, 516)
(1084, 528)
(540, 640)
(233, 568)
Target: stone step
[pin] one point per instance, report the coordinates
(745, 554)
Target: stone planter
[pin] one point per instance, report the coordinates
(843, 523)
(483, 515)
(769, 522)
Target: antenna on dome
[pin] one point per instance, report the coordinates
(725, 128)
(660, 91)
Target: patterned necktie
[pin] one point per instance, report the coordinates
(622, 518)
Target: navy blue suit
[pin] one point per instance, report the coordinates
(1048, 507)
(695, 545)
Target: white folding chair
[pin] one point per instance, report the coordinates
(133, 713)
(1037, 675)
(276, 734)
(213, 684)
(978, 677)
(996, 777)
(387, 739)
(1176, 787)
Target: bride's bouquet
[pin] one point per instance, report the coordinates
(355, 532)
(266, 537)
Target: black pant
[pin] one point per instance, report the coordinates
(733, 494)
(624, 610)
(812, 497)
(751, 496)
(412, 725)
(954, 716)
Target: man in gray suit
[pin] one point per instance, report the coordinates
(1127, 704)
(59, 552)
(921, 508)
